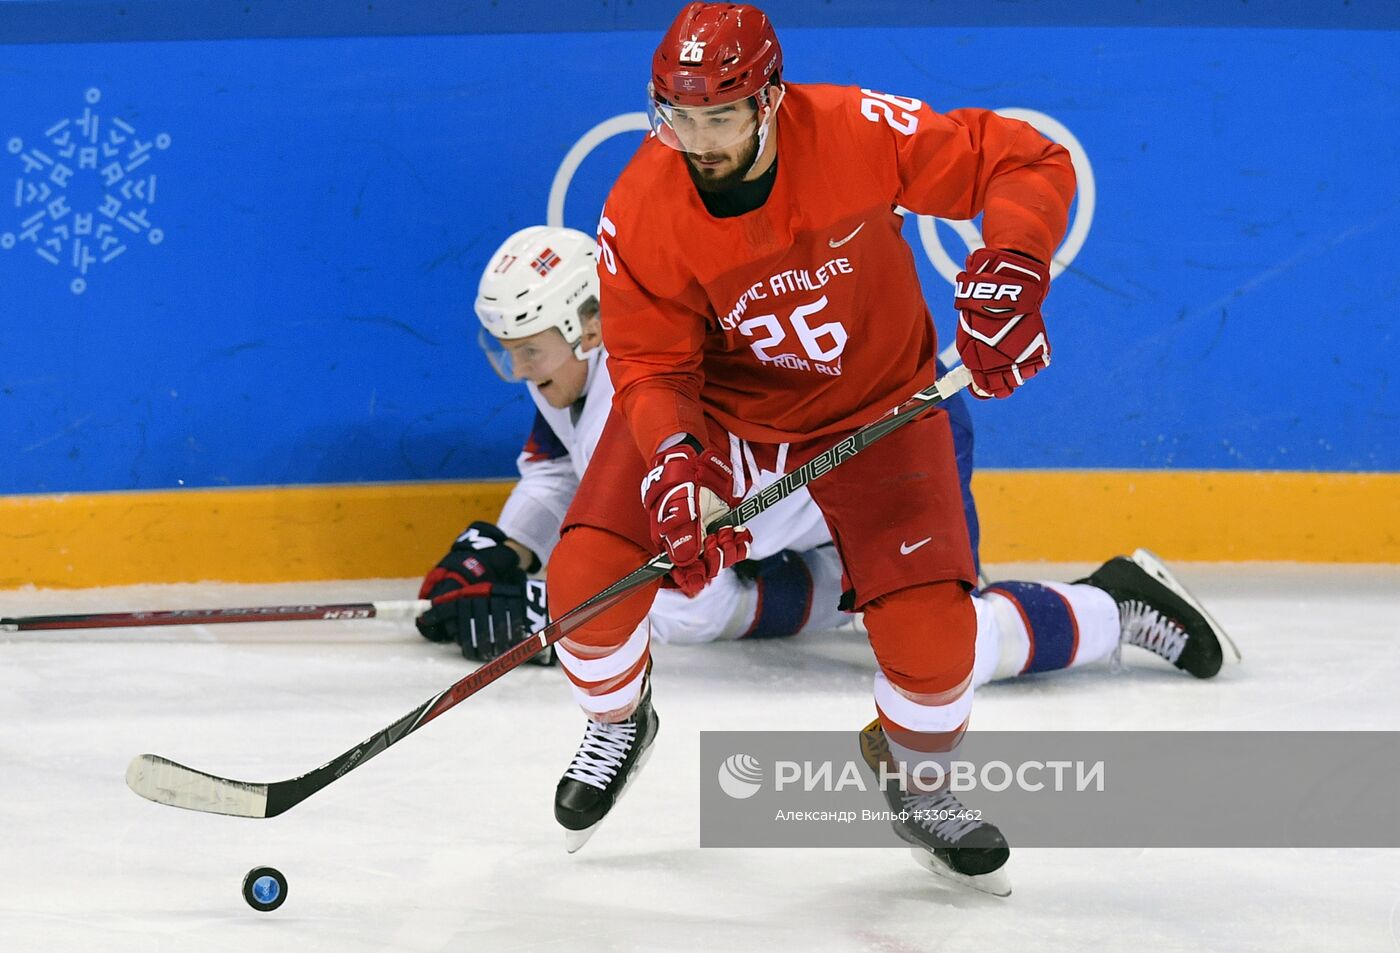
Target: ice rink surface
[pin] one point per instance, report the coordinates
(446, 842)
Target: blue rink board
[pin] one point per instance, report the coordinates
(50, 21)
(325, 205)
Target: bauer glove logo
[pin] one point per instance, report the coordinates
(986, 291)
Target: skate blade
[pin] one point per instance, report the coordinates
(573, 840)
(996, 883)
(1157, 570)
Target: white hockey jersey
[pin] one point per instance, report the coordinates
(556, 453)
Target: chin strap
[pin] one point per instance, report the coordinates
(761, 98)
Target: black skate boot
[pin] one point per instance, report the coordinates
(945, 838)
(607, 760)
(1158, 614)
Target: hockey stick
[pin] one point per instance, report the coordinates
(400, 609)
(166, 782)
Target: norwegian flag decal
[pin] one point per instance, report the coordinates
(546, 260)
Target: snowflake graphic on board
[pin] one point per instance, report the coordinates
(84, 192)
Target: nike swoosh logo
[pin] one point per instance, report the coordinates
(905, 549)
(837, 244)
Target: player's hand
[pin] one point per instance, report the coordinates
(1001, 333)
(478, 592)
(684, 490)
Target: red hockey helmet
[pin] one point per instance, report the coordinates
(715, 53)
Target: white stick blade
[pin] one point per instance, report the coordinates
(165, 782)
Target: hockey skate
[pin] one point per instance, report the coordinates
(1158, 614)
(607, 760)
(943, 838)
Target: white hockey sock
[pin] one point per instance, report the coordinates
(1041, 626)
(604, 686)
(921, 735)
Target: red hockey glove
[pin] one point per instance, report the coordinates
(682, 492)
(1001, 334)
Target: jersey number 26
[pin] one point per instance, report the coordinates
(898, 111)
(811, 337)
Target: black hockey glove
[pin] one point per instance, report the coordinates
(478, 592)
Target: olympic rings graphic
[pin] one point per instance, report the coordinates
(590, 140)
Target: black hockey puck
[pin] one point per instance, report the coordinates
(264, 888)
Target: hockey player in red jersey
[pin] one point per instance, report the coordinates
(757, 288)
(537, 301)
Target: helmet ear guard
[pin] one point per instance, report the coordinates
(587, 308)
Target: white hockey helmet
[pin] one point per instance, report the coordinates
(537, 280)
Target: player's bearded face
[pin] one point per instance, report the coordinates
(720, 170)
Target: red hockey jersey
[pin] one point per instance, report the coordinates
(804, 317)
